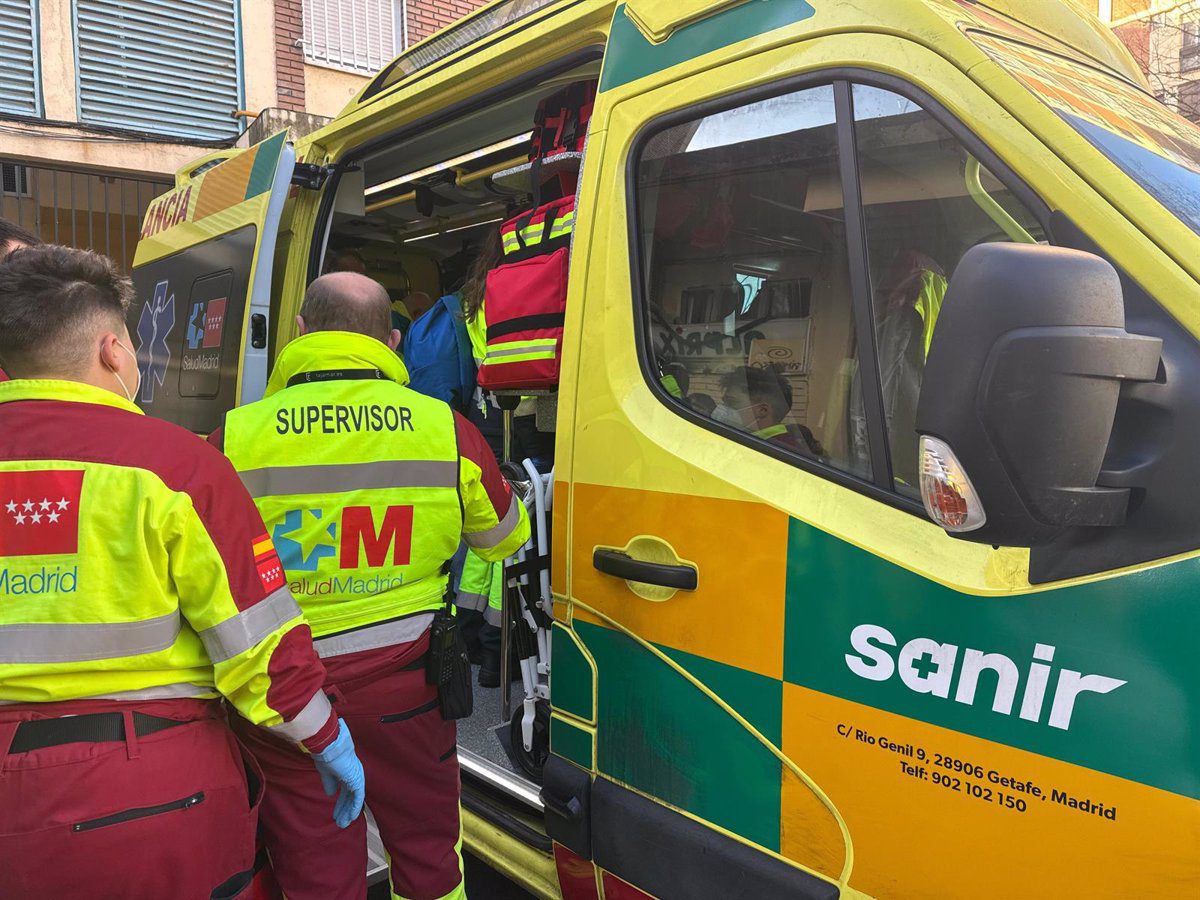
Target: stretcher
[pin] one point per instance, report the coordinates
(528, 612)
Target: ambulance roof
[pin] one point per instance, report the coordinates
(1059, 22)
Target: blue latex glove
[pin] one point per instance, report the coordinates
(338, 765)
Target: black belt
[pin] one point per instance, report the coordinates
(93, 728)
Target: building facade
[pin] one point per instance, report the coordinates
(1164, 37)
(101, 101)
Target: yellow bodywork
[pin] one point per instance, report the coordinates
(629, 467)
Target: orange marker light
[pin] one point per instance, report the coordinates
(946, 491)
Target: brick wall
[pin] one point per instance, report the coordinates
(1136, 36)
(289, 55)
(427, 16)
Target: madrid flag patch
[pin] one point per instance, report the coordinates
(266, 560)
(39, 512)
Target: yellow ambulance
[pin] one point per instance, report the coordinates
(875, 498)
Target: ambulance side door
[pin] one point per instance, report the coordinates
(786, 651)
(202, 272)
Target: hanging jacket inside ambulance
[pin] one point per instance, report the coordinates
(372, 492)
(911, 294)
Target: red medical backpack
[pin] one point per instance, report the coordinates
(525, 300)
(561, 122)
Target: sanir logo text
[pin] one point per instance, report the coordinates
(929, 667)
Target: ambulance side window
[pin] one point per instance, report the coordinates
(746, 282)
(926, 201)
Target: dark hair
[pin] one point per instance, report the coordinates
(702, 403)
(487, 259)
(347, 301)
(12, 233)
(53, 300)
(338, 257)
(767, 385)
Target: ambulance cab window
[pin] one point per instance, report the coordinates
(747, 287)
(926, 201)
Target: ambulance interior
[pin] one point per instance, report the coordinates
(418, 214)
(744, 264)
(745, 259)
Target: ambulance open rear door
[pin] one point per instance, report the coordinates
(203, 277)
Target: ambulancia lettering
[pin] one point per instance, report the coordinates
(926, 666)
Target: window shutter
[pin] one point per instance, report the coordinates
(358, 35)
(18, 72)
(170, 67)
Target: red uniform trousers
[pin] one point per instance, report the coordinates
(408, 752)
(163, 815)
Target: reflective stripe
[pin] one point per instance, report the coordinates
(276, 481)
(75, 642)
(308, 721)
(520, 356)
(539, 347)
(498, 532)
(467, 600)
(564, 225)
(182, 690)
(372, 637)
(239, 633)
(493, 616)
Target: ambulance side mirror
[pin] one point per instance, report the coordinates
(1020, 394)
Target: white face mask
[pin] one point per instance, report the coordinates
(727, 415)
(129, 395)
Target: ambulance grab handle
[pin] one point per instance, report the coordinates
(622, 565)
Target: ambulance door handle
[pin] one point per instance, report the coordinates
(622, 565)
(258, 331)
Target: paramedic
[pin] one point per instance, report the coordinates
(367, 487)
(757, 400)
(418, 303)
(348, 261)
(13, 237)
(480, 587)
(136, 587)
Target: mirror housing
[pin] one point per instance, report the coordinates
(1022, 382)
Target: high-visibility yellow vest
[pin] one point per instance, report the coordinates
(358, 479)
(134, 567)
(477, 331)
(929, 305)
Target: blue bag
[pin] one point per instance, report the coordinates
(437, 354)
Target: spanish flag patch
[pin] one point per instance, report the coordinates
(266, 560)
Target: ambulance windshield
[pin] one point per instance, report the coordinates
(1151, 143)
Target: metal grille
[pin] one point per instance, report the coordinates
(358, 35)
(14, 180)
(81, 209)
(19, 91)
(170, 67)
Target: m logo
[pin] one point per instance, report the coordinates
(358, 533)
(305, 537)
